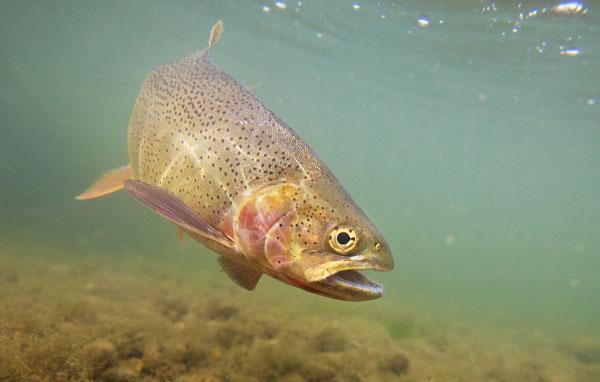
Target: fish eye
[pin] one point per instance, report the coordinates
(343, 239)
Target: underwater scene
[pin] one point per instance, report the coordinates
(432, 212)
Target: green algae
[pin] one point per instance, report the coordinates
(101, 319)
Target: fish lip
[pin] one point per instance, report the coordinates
(342, 277)
(380, 262)
(350, 285)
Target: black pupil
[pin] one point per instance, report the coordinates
(343, 238)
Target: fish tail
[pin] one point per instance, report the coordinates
(109, 182)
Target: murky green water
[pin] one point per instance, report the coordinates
(473, 143)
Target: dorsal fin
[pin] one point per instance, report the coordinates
(215, 33)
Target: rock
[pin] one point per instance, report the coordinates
(590, 355)
(132, 347)
(151, 351)
(315, 371)
(271, 361)
(330, 341)
(134, 365)
(233, 335)
(193, 358)
(585, 351)
(128, 370)
(101, 355)
(396, 364)
(222, 313)
(114, 374)
(268, 329)
(174, 308)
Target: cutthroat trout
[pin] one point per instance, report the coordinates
(207, 155)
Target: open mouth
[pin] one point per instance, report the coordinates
(349, 285)
(341, 277)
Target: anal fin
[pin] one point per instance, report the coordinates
(244, 276)
(109, 182)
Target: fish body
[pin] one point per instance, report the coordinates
(206, 154)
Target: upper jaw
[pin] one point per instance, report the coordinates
(378, 261)
(324, 264)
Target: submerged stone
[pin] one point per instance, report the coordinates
(317, 371)
(330, 341)
(396, 364)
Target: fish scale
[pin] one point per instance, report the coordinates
(207, 155)
(214, 133)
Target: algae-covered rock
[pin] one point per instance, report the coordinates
(194, 357)
(131, 346)
(233, 335)
(99, 356)
(330, 340)
(222, 313)
(174, 308)
(318, 371)
(588, 354)
(396, 364)
(126, 371)
(272, 361)
(223, 337)
(585, 351)
(268, 329)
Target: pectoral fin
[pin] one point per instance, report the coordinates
(244, 276)
(109, 182)
(175, 210)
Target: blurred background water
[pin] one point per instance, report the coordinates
(468, 131)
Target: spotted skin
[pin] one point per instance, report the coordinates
(198, 133)
(206, 139)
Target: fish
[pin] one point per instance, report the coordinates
(207, 155)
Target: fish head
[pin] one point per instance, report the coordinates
(323, 241)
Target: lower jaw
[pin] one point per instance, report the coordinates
(346, 285)
(350, 285)
(339, 286)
